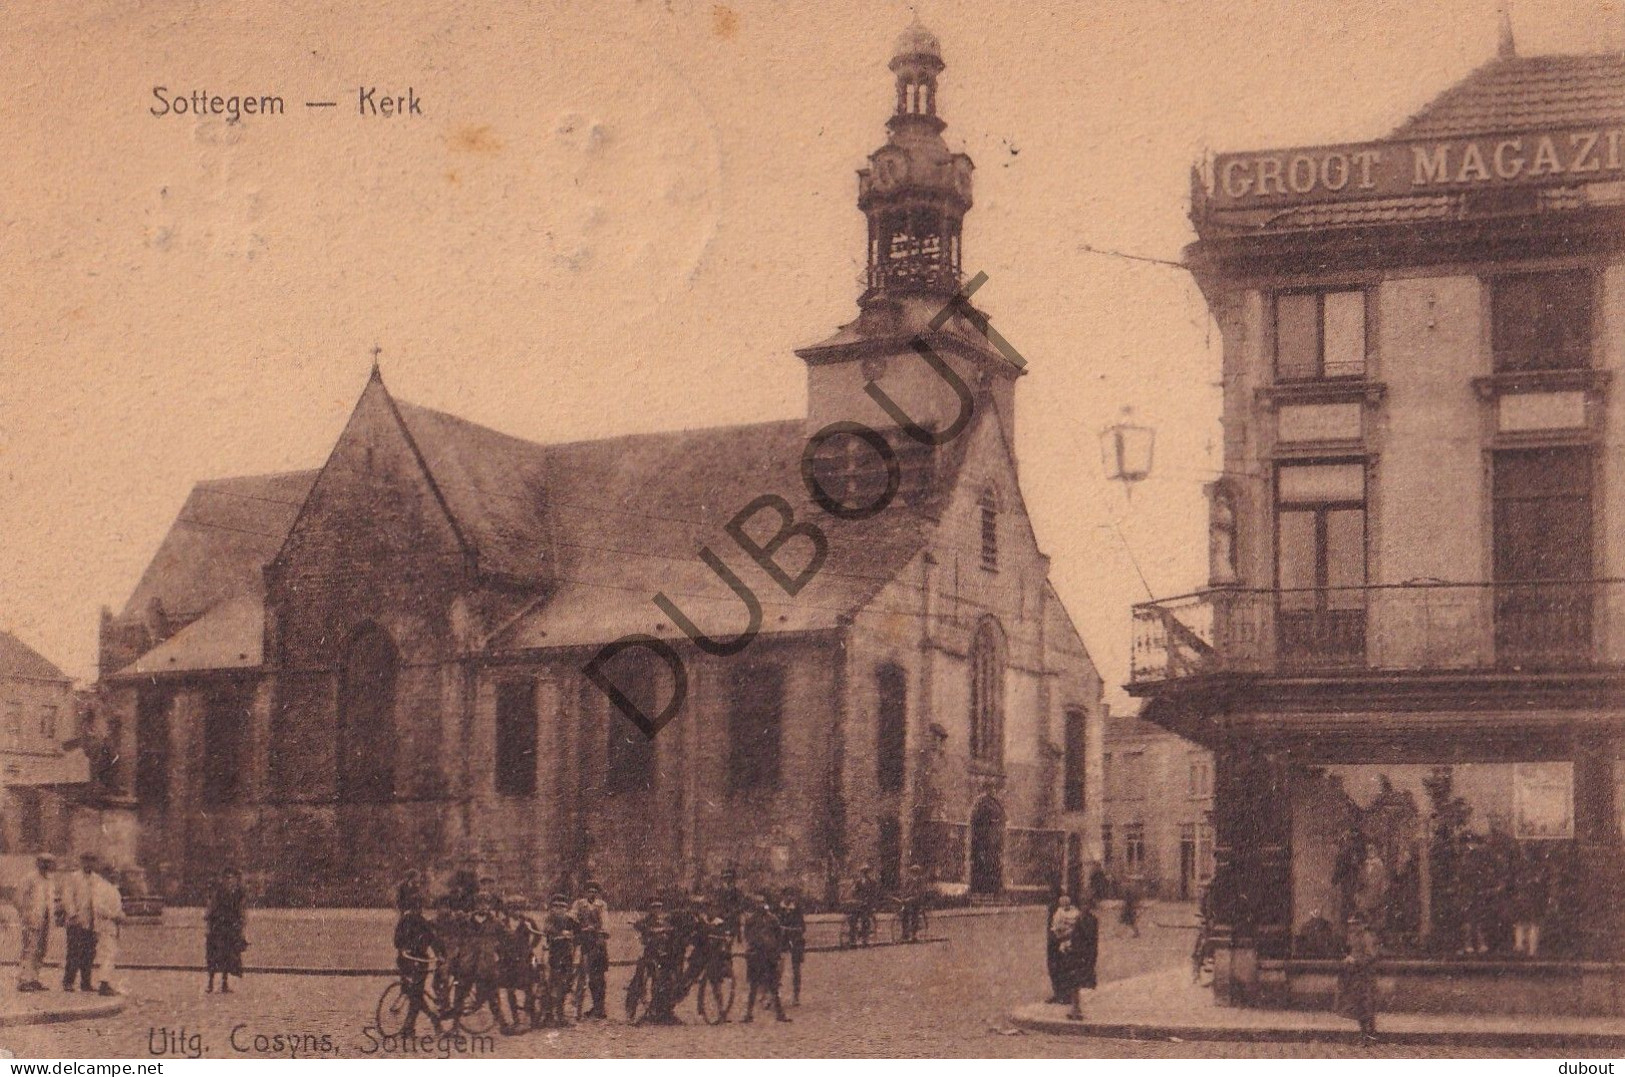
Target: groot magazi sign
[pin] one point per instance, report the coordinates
(1397, 169)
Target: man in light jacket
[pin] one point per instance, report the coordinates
(108, 905)
(34, 901)
(75, 895)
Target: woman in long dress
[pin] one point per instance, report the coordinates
(227, 921)
(1075, 963)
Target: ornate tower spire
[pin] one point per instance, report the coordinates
(915, 193)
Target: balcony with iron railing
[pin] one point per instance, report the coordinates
(1419, 626)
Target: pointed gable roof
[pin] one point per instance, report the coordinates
(1520, 93)
(18, 659)
(494, 486)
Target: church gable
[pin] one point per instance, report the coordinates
(375, 540)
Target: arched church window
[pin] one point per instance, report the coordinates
(366, 734)
(987, 693)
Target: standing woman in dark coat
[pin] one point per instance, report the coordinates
(227, 920)
(1076, 961)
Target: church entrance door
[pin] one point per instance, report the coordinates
(987, 848)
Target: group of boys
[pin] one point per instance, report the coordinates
(688, 941)
(485, 943)
(488, 946)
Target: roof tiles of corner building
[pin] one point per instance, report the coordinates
(18, 659)
(1523, 92)
(225, 533)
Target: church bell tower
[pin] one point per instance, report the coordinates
(914, 195)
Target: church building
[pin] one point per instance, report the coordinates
(446, 645)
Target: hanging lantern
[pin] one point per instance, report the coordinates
(1125, 452)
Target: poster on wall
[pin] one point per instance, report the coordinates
(1543, 800)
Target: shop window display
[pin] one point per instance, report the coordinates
(1466, 862)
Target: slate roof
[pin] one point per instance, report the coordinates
(226, 531)
(632, 512)
(610, 523)
(1518, 93)
(229, 636)
(18, 659)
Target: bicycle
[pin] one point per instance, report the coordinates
(900, 922)
(591, 944)
(859, 929)
(640, 989)
(395, 1003)
(717, 981)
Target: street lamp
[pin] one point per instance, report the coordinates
(1125, 451)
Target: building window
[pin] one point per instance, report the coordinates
(1320, 562)
(891, 728)
(1320, 334)
(228, 714)
(1076, 757)
(47, 722)
(1107, 849)
(987, 694)
(629, 754)
(1199, 781)
(14, 724)
(1542, 555)
(152, 745)
(30, 805)
(756, 728)
(1134, 848)
(516, 738)
(990, 531)
(366, 740)
(1204, 852)
(1131, 777)
(1541, 321)
(1108, 777)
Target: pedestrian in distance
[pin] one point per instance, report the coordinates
(591, 913)
(1130, 912)
(415, 949)
(518, 962)
(1078, 950)
(107, 904)
(76, 898)
(764, 946)
(1062, 923)
(1357, 981)
(226, 930)
(559, 930)
(35, 898)
(793, 919)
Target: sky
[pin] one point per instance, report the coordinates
(624, 216)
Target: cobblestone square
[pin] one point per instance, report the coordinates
(946, 999)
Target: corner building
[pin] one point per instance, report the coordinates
(330, 676)
(1410, 659)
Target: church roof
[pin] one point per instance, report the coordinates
(18, 659)
(226, 531)
(608, 523)
(632, 513)
(229, 636)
